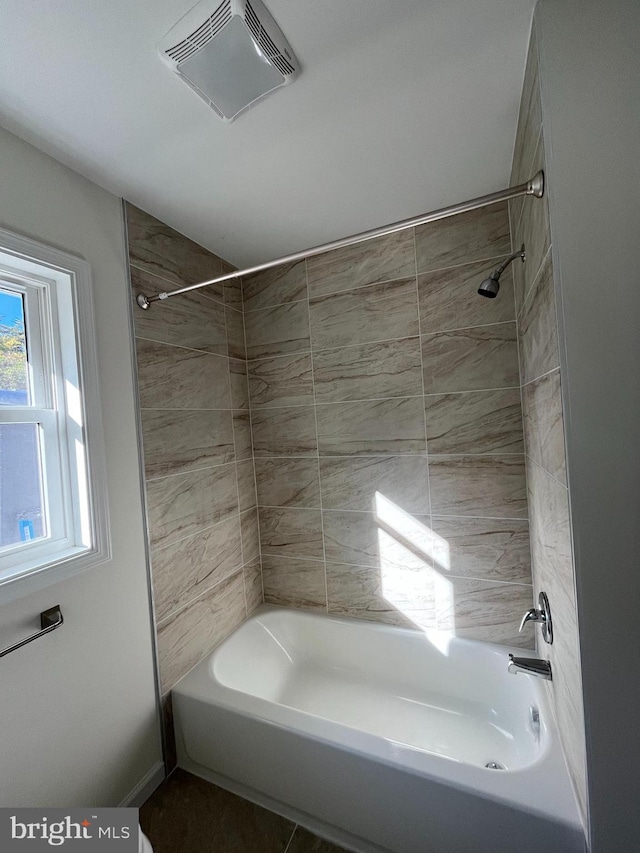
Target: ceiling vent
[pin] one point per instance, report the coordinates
(231, 54)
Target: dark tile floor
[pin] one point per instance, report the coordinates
(188, 815)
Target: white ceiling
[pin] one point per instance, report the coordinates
(402, 106)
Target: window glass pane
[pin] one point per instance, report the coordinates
(14, 383)
(22, 516)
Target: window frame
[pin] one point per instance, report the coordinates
(59, 321)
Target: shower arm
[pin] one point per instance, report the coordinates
(534, 187)
(519, 254)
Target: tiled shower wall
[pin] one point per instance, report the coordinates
(200, 484)
(552, 558)
(387, 431)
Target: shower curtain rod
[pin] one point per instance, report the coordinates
(534, 187)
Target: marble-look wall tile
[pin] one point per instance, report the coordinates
(483, 610)
(288, 482)
(291, 532)
(406, 597)
(246, 485)
(232, 289)
(159, 249)
(543, 423)
(183, 504)
(287, 283)
(191, 633)
(448, 299)
(538, 327)
(474, 422)
(253, 585)
(242, 435)
(482, 486)
(356, 483)
(239, 384)
(234, 321)
(250, 535)
(377, 312)
(472, 236)
(476, 359)
(385, 539)
(285, 380)
(179, 440)
(184, 569)
(532, 230)
(171, 377)
(383, 259)
(190, 320)
(493, 549)
(369, 428)
(277, 331)
(284, 432)
(367, 371)
(294, 583)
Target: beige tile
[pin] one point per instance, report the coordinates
(543, 424)
(239, 384)
(179, 440)
(383, 427)
(282, 381)
(386, 539)
(232, 291)
(288, 482)
(367, 371)
(403, 597)
(253, 585)
(190, 320)
(156, 248)
(190, 634)
(277, 331)
(486, 611)
(250, 535)
(482, 486)
(287, 283)
(475, 359)
(183, 570)
(234, 321)
(294, 583)
(171, 377)
(491, 549)
(533, 230)
(473, 236)
(383, 259)
(291, 532)
(474, 422)
(242, 435)
(183, 504)
(378, 312)
(188, 815)
(538, 328)
(356, 483)
(284, 432)
(246, 484)
(448, 299)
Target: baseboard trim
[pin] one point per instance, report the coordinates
(145, 787)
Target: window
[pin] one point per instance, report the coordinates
(52, 506)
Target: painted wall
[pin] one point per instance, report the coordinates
(590, 79)
(200, 485)
(387, 432)
(78, 708)
(551, 548)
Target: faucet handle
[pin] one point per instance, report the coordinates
(543, 615)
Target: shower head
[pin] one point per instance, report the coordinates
(490, 286)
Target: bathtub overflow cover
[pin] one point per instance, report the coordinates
(493, 765)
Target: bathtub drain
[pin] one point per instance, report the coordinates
(493, 765)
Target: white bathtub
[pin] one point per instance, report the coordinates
(377, 737)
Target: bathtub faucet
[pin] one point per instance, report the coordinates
(532, 666)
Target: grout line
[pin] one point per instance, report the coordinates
(244, 585)
(185, 409)
(542, 376)
(181, 346)
(534, 282)
(295, 825)
(205, 592)
(315, 417)
(198, 532)
(178, 284)
(190, 471)
(548, 473)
